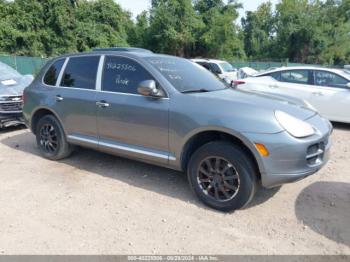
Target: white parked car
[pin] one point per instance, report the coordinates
(245, 72)
(221, 69)
(327, 90)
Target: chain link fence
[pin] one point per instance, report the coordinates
(32, 65)
(24, 65)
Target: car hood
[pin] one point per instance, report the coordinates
(260, 101)
(14, 86)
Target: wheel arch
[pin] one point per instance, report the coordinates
(202, 137)
(38, 114)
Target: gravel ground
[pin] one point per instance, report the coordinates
(93, 203)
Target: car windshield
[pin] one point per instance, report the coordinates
(7, 72)
(184, 75)
(227, 67)
(347, 72)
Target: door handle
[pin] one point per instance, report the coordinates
(273, 86)
(317, 93)
(59, 98)
(102, 104)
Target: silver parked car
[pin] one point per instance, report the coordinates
(12, 85)
(172, 112)
(326, 89)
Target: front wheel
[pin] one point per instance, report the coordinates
(222, 176)
(51, 139)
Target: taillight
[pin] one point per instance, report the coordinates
(238, 82)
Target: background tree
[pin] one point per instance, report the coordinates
(305, 31)
(220, 35)
(173, 26)
(138, 34)
(259, 31)
(101, 23)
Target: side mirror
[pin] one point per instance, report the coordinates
(149, 88)
(348, 85)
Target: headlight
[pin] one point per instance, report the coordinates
(294, 126)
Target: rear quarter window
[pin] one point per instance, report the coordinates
(52, 73)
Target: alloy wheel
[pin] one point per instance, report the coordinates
(218, 178)
(48, 138)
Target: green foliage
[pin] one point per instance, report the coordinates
(100, 23)
(306, 31)
(138, 34)
(300, 30)
(258, 31)
(53, 27)
(220, 36)
(173, 25)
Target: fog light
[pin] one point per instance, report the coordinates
(262, 150)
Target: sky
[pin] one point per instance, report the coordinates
(137, 6)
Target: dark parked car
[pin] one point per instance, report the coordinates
(172, 112)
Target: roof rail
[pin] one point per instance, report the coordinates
(123, 49)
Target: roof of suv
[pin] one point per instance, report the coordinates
(123, 49)
(139, 52)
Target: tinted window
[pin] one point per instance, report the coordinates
(185, 75)
(227, 67)
(323, 78)
(81, 72)
(123, 75)
(276, 75)
(215, 68)
(51, 75)
(295, 76)
(206, 66)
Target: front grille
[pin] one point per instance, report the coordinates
(315, 154)
(11, 104)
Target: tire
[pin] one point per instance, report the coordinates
(51, 139)
(236, 180)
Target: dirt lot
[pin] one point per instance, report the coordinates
(94, 203)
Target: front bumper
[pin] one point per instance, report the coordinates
(13, 119)
(292, 159)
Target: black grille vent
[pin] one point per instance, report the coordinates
(315, 154)
(11, 104)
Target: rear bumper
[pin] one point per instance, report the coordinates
(293, 159)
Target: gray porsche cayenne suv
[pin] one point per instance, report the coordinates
(172, 112)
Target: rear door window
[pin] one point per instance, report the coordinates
(324, 78)
(51, 75)
(123, 75)
(81, 72)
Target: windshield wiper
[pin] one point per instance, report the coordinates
(202, 90)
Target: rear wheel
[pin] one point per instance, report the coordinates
(222, 176)
(51, 139)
